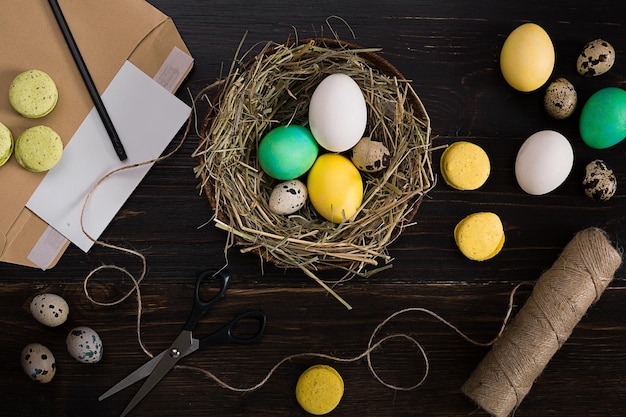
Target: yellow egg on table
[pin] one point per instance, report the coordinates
(527, 57)
(335, 187)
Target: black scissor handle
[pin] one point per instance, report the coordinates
(200, 305)
(227, 333)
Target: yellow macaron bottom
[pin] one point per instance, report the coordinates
(465, 166)
(6, 144)
(480, 236)
(319, 389)
(33, 94)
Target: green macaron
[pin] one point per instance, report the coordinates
(6, 144)
(38, 148)
(33, 94)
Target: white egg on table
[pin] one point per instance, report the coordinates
(337, 113)
(543, 162)
(49, 309)
(38, 363)
(84, 345)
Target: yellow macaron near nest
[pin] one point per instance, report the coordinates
(33, 94)
(319, 389)
(6, 144)
(465, 166)
(38, 148)
(480, 236)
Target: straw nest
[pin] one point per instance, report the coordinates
(274, 88)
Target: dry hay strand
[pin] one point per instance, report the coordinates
(274, 88)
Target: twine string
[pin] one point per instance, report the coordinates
(371, 347)
(559, 300)
(136, 280)
(522, 348)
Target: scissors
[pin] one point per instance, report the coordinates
(185, 344)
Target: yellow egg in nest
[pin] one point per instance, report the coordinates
(335, 187)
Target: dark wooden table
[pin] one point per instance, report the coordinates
(450, 50)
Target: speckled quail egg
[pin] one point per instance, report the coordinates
(596, 58)
(288, 197)
(84, 345)
(560, 99)
(49, 309)
(600, 183)
(38, 363)
(370, 155)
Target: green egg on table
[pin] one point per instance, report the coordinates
(287, 152)
(603, 118)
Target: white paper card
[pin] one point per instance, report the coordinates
(146, 117)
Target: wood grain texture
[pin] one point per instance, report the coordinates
(450, 52)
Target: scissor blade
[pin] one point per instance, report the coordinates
(182, 344)
(141, 372)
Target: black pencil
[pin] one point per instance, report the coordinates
(91, 87)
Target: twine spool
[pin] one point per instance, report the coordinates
(558, 301)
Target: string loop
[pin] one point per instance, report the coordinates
(371, 347)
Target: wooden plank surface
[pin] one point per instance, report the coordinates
(450, 52)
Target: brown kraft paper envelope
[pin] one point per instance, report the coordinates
(107, 33)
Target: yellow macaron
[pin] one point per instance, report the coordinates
(6, 144)
(480, 236)
(33, 94)
(38, 148)
(319, 389)
(465, 166)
